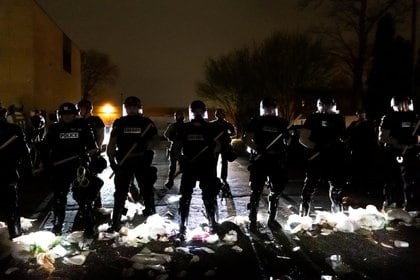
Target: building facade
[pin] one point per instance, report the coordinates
(39, 64)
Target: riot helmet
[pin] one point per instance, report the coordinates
(220, 113)
(85, 104)
(326, 105)
(132, 101)
(133, 105)
(179, 115)
(268, 106)
(67, 109)
(198, 108)
(38, 121)
(402, 104)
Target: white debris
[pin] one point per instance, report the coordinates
(26, 223)
(195, 259)
(133, 209)
(401, 244)
(10, 270)
(151, 259)
(296, 223)
(236, 248)
(399, 214)
(369, 218)
(75, 237)
(212, 238)
(40, 240)
(75, 260)
(154, 228)
(58, 251)
(207, 250)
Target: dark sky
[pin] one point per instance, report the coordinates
(161, 46)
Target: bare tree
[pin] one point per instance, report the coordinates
(97, 70)
(350, 29)
(280, 66)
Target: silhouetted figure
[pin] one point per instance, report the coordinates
(13, 150)
(323, 135)
(399, 134)
(198, 142)
(267, 135)
(130, 155)
(173, 134)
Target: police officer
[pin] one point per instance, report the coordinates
(399, 134)
(68, 142)
(198, 143)
(130, 155)
(98, 127)
(225, 150)
(13, 149)
(267, 135)
(323, 134)
(362, 142)
(173, 134)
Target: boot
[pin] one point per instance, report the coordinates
(184, 210)
(14, 227)
(149, 203)
(58, 223)
(89, 221)
(304, 208)
(253, 210)
(336, 207)
(116, 214)
(211, 215)
(272, 206)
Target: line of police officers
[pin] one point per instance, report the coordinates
(70, 148)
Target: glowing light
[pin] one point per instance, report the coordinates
(108, 109)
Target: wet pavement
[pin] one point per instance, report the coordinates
(270, 254)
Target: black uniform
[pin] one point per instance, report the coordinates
(225, 150)
(364, 151)
(327, 161)
(199, 164)
(267, 163)
(129, 131)
(402, 177)
(67, 141)
(13, 149)
(173, 133)
(96, 124)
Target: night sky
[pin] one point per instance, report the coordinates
(161, 46)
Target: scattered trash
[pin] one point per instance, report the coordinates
(236, 248)
(75, 260)
(401, 244)
(11, 270)
(151, 259)
(386, 245)
(46, 261)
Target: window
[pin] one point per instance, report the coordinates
(66, 53)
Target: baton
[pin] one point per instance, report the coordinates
(131, 149)
(66, 160)
(278, 137)
(7, 143)
(200, 152)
